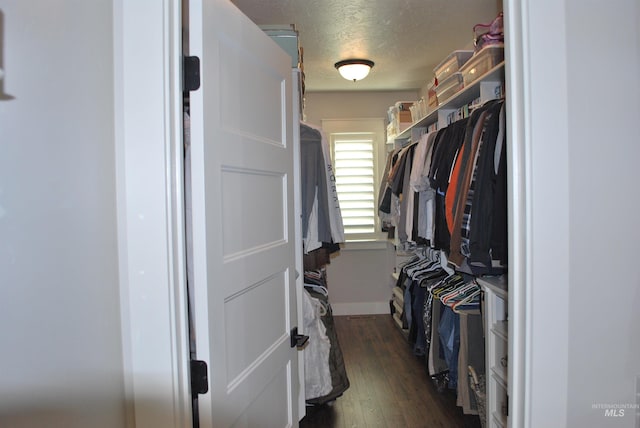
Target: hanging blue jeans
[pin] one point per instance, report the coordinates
(449, 332)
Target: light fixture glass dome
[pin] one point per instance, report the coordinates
(354, 69)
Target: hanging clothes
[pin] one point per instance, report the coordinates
(449, 331)
(384, 193)
(488, 225)
(448, 143)
(480, 138)
(420, 183)
(317, 373)
(316, 286)
(399, 186)
(455, 178)
(321, 215)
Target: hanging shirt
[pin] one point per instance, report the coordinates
(420, 183)
(321, 216)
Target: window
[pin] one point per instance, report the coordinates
(357, 147)
(354, 168)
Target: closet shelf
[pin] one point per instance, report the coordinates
(461, 98)
(497, 284)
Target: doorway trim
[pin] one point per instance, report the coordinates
(536, 77)
(150, 217)
(151, 236)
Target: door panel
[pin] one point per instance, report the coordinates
(245, 350)
(243, 220)
(265, 203)
(239, 64)
(260, 413)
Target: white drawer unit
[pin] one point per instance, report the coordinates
(496, 329)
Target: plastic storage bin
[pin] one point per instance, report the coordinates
(402, 113)
(432, 98)
(416, 114)
(418, 110)
(483, 61)
(449, 87)
(399, 116)
(451, 64)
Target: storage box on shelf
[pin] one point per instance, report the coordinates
(483, 61)
(449, 87)
(451, 64)
(416, 112)
(419, 109)
(399, 116)
(404, 116)
(391, 132)
(432, 98)
(489, 86)
(400, 111)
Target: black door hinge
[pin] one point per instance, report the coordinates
(191, 73)
(199, 377)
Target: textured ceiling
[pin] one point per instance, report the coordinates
(405, 38)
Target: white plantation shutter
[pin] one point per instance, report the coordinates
(354, 164)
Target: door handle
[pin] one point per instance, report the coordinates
(298, 340)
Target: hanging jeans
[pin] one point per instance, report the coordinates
(449, 332)
(407, 302)
(420, 345)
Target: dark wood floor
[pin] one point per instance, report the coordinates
(390, 386)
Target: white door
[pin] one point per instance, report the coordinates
(243, 225)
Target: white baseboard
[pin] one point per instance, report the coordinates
(361, 308)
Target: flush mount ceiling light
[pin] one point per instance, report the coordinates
(354, 69)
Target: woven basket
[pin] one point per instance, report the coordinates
(477, 384)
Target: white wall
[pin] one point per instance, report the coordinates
(579, 144)
(359, 275)
(359, 279)
(360, 105)
(604, 300)
(61, 358)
